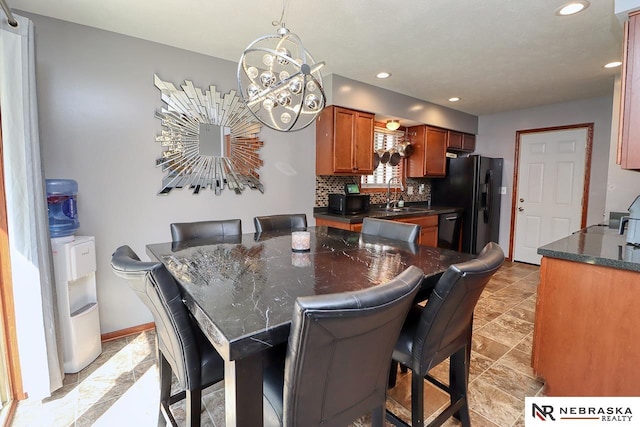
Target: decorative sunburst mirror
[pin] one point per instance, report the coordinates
(208, 140)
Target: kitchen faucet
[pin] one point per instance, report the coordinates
(389, 190)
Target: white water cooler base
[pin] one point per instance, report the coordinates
(83, 345)
(74, 264)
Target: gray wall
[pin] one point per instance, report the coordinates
(497, 137)
(96, 105)
(365, 97)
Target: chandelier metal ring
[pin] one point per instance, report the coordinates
(280, 82)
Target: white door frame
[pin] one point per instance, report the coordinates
(516, 166)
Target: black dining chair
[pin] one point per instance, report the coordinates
(182, 347)
(391, 229)
(290, 222)
(442, 329)
(337, 360)
(181, 231)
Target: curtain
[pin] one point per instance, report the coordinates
(30, 247)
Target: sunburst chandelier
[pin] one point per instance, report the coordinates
(280, 82)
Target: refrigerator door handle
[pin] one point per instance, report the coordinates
(489, 186)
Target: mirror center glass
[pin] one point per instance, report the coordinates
(211, 140)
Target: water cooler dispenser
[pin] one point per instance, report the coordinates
(74, 264)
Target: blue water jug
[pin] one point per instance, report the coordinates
(62, 207)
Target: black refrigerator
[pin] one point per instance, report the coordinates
(472, 183)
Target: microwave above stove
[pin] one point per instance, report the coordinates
(349, 204)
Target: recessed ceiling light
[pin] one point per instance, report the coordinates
(572, 8)
(383, 75)
(455, 99)
(613, 64)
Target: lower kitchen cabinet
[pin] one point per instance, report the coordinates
(428, 229)
(338, 224)
(585, 340)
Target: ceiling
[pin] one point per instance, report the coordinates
(497, 55)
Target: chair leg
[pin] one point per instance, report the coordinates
(393, 374)
(417, 400)
(377, 416)
(164, 372)
(193, 407)
(458, 380)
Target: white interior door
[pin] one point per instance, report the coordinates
(551, 177)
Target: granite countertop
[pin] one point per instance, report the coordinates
(598, 245)
(410, 210)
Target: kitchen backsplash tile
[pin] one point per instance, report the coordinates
(327, 184)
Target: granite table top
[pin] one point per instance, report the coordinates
(241, 290)
(598, 245)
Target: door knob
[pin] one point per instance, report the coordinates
(520, 209)
(521, 200)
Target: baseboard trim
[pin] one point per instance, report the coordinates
(109, 336)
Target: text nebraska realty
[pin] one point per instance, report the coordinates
(604, 413)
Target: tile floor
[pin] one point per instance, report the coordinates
(121, 387)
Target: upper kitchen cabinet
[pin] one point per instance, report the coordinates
(458, 141)
(629, 138)
(429, 156)
(468, 142)
(454, 140)
(344, 142)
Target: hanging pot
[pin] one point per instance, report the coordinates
(405, 148)
(384, 155)
(394, 156)
(376, 160)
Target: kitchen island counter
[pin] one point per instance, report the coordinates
(597, 245)
(586, 341)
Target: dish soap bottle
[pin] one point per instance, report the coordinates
(401, 202)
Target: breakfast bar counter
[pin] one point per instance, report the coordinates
(586, 336)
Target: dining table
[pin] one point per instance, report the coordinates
(241, 291)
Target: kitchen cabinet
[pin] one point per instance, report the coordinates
(468, 142)
(454, 140)
(428, 229)
(430, 151)
(459, 141)
(344, 142)
(629, 132)
(338, 224)
(584, 341)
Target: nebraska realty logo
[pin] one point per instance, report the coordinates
(587, 411)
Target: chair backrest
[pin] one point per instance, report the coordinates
(157, 289)
(339, 352)
(447, 319)
(391, 229)
(280, 222)
(181, 231)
